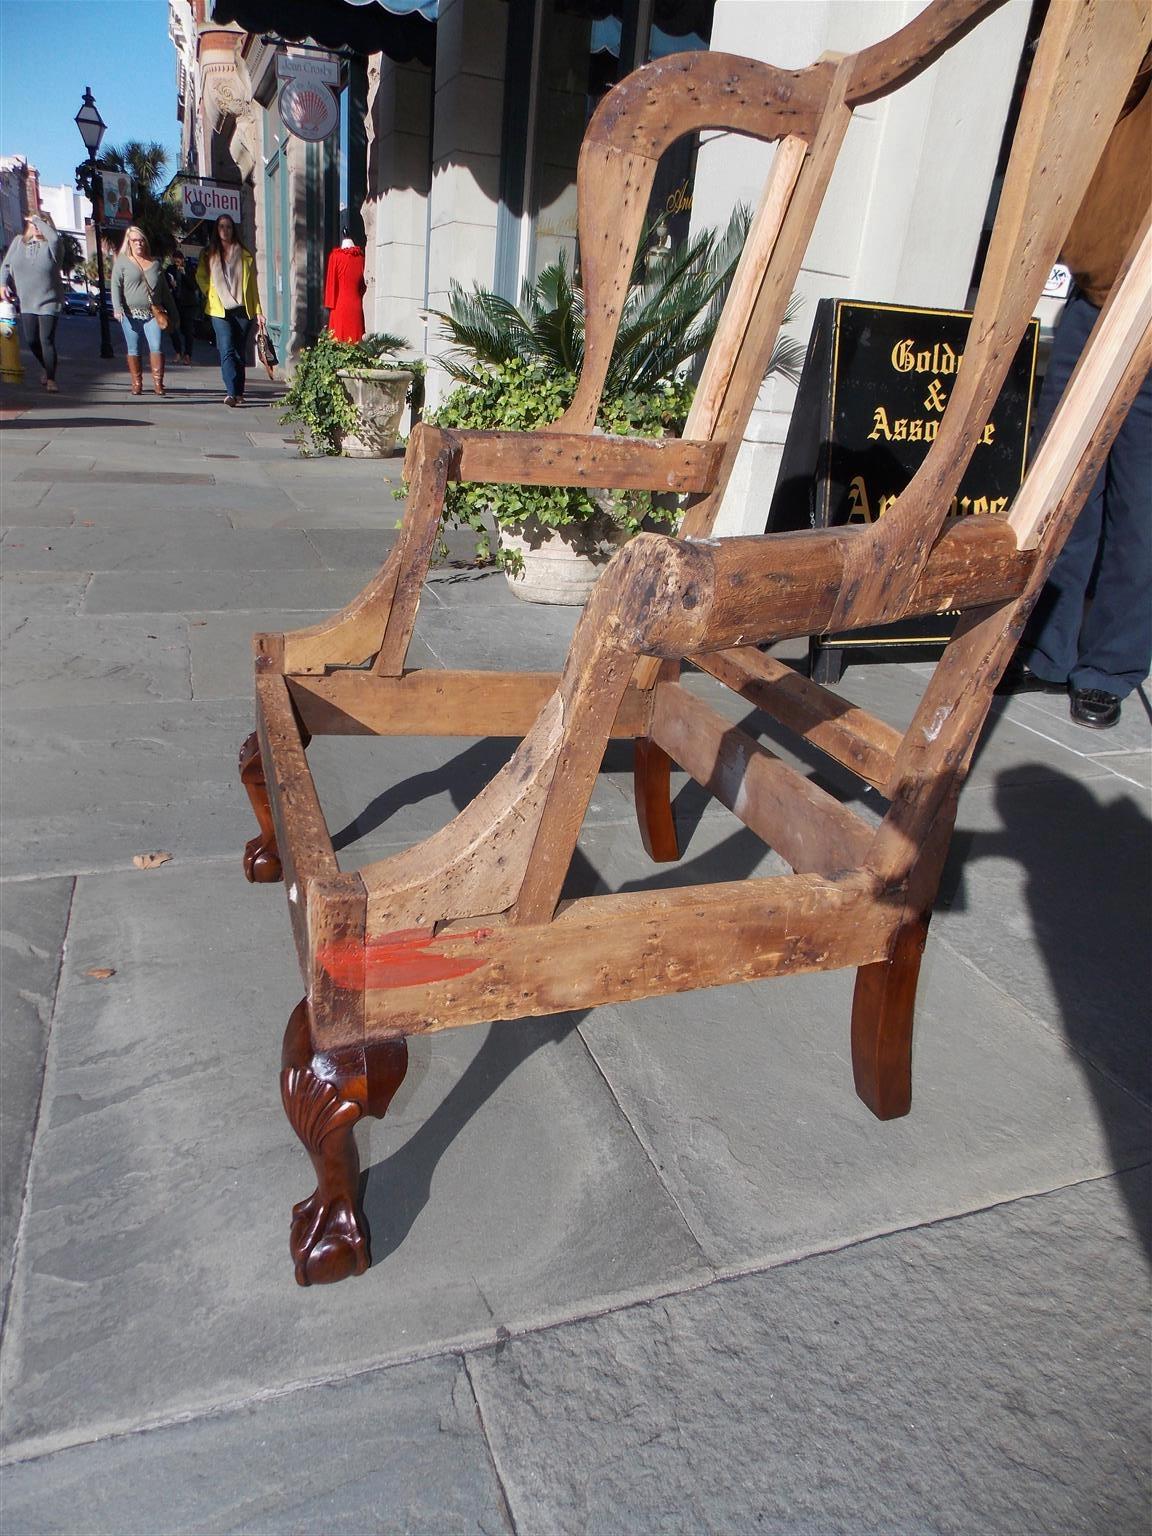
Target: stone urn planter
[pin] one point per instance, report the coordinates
(561, 565)
(379, 395)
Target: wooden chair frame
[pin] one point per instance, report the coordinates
(468, 925)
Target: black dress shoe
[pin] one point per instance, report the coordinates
(1020, 678)
(1095, 707)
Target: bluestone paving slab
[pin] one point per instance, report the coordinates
(1047, 891)
(384, 793)
(744, 1097)
(182, 551)
(49, 593)
(504, 1190)
(1008, 747)
(33, 921)
(1047, 715)
(49, 661)
(123, 476)
(975, 1377)
(141, 512)
(19, 503)
(397, 1450)
(221, 645)
(1133, 766)
(89, 787)
(464, 631)
(202, 592)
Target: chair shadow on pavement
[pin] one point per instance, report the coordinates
(1088, 892)
(396, 1189)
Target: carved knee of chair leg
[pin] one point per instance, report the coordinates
(261, 856)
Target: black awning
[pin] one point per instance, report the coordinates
(402, 29)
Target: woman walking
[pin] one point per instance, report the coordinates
(227, 278)
(137, 285)
(31, 273)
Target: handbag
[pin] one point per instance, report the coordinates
(159, 312)
(266, 352)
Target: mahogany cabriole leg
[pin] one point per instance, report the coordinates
(652, 779)
(261, 857)
(883, 1005)
(325, 1093)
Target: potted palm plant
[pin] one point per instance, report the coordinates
(516, 367)
(348, 397)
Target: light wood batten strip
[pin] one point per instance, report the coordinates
(810, 829)
(846, 733)
(434, 703)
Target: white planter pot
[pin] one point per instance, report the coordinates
(379, 395)
(561, 565)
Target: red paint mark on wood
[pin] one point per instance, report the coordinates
(400, 959)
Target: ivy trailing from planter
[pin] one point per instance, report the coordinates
(317, 400)
(520, 395)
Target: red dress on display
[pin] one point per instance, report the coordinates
(344, 293)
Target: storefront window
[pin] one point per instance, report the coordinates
(582, 48)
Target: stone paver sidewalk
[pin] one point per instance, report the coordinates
(647, 1269)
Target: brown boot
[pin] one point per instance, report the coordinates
(136, 373)
(157, 361)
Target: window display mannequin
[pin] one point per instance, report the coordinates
(344, 289)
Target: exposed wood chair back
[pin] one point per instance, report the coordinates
(469, 925)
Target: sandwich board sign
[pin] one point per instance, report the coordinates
(872, 394)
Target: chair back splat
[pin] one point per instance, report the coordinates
(469, 925)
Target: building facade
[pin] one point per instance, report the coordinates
(458, 138)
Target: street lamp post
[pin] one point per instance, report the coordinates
(91, 126)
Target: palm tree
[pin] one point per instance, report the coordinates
(145, 162)
(670, 315)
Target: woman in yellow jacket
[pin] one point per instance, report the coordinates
(227, 278)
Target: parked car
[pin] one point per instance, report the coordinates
(76, 303)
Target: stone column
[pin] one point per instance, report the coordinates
(396, 210)
(470, 44)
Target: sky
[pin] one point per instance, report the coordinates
(51, 49)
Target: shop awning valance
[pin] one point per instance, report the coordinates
(403, 29)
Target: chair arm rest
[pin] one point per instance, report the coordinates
(567, 458)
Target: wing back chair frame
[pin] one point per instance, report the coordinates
(468, 925)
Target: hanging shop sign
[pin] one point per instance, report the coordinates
(308, 106)
(208, 200)
(116, 199)
(871, 398)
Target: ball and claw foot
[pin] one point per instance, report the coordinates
(261, 862)
(327, 1241)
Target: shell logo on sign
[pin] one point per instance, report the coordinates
(307, 110)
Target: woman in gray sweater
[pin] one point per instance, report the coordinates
(137, 284)
(31, 273)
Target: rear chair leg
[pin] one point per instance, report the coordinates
(325, 1093)
(261, 857)
(652, 780)
(882, 1010)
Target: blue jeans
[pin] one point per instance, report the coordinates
(232, 345)
(136, 331)
(1107, 643)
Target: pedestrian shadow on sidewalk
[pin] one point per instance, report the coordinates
(1088, 891)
